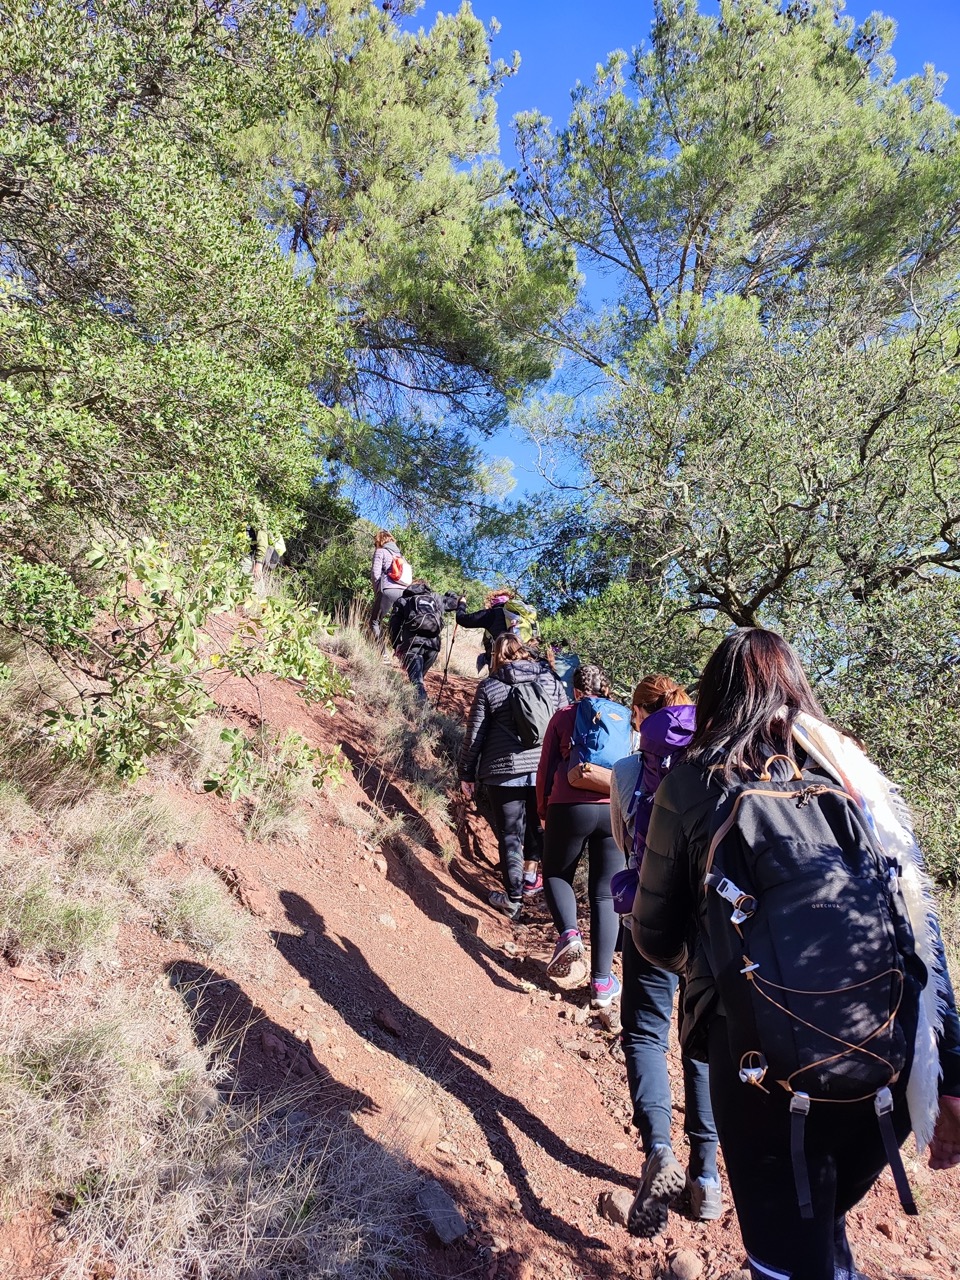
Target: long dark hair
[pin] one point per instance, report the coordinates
(751, 692)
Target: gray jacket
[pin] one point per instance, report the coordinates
(382, 559)
(491, 747)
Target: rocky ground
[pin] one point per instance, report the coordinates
(378, 978)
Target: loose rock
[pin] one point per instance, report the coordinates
(387, 921)
(685, 1265)
(388, 1022)
(615, 1205)
(442, 1215)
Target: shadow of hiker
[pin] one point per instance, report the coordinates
(339, 973)
(295, 1111)
(424, 889)
(265, 1057)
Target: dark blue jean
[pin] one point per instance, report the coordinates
(646, 1009)
(417, 663)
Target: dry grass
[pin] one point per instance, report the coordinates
(113, 836)
(949, 906)
(41, 920)
(28, 759)
(197, 911)
(117, 1108)
(201, 754)
(16, 815)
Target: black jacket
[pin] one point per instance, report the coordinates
(491, 748)
(402, 636)
(669, 910)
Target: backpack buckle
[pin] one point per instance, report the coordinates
(883, 1102)
(800, 1103)
(754, 1073)
(744, 904)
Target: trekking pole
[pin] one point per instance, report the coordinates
(446, 665)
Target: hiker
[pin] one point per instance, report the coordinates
(576, 820)
(266, 550)
(501, 749)
(663, 716)
(504, 611)
(415, 622)
(815, 880)
(565, 663)
(387, 573)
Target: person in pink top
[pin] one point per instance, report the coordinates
(577, 821)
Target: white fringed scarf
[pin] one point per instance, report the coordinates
(889, 819)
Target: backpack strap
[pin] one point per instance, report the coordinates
(884, 1108)
(799, 1110)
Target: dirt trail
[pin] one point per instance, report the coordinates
(379, 974)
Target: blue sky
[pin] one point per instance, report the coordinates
(561, 41)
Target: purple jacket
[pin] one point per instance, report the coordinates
(663, 737)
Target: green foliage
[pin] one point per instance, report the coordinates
(774, 439)
(395, 211)
(139, 689)
(276, 765)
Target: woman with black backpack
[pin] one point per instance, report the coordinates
(501, 749)
(782, 876)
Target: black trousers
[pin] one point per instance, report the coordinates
(513, 811)
(844, 1155)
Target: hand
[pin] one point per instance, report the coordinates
(468, 788)
(945, 1143)
(257, 570)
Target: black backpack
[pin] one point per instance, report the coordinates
(423, 615)
(809, 942)
(531, 710)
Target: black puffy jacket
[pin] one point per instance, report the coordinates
(492, 748)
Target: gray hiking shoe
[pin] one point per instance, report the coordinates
(661, 1182)
(567, 968)
(706, 1200)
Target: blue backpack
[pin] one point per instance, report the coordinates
(601, 732)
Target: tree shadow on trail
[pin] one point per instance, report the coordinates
(339, 973)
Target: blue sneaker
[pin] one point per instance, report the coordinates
(604, 991)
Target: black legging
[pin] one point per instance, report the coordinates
(569, 829)
(844, 1157)
(515, 821)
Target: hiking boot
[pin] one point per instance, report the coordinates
(604, 992)
(531, 887)
(706, 1201)
(509, 906)
(661, 1182)
(568, 968)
